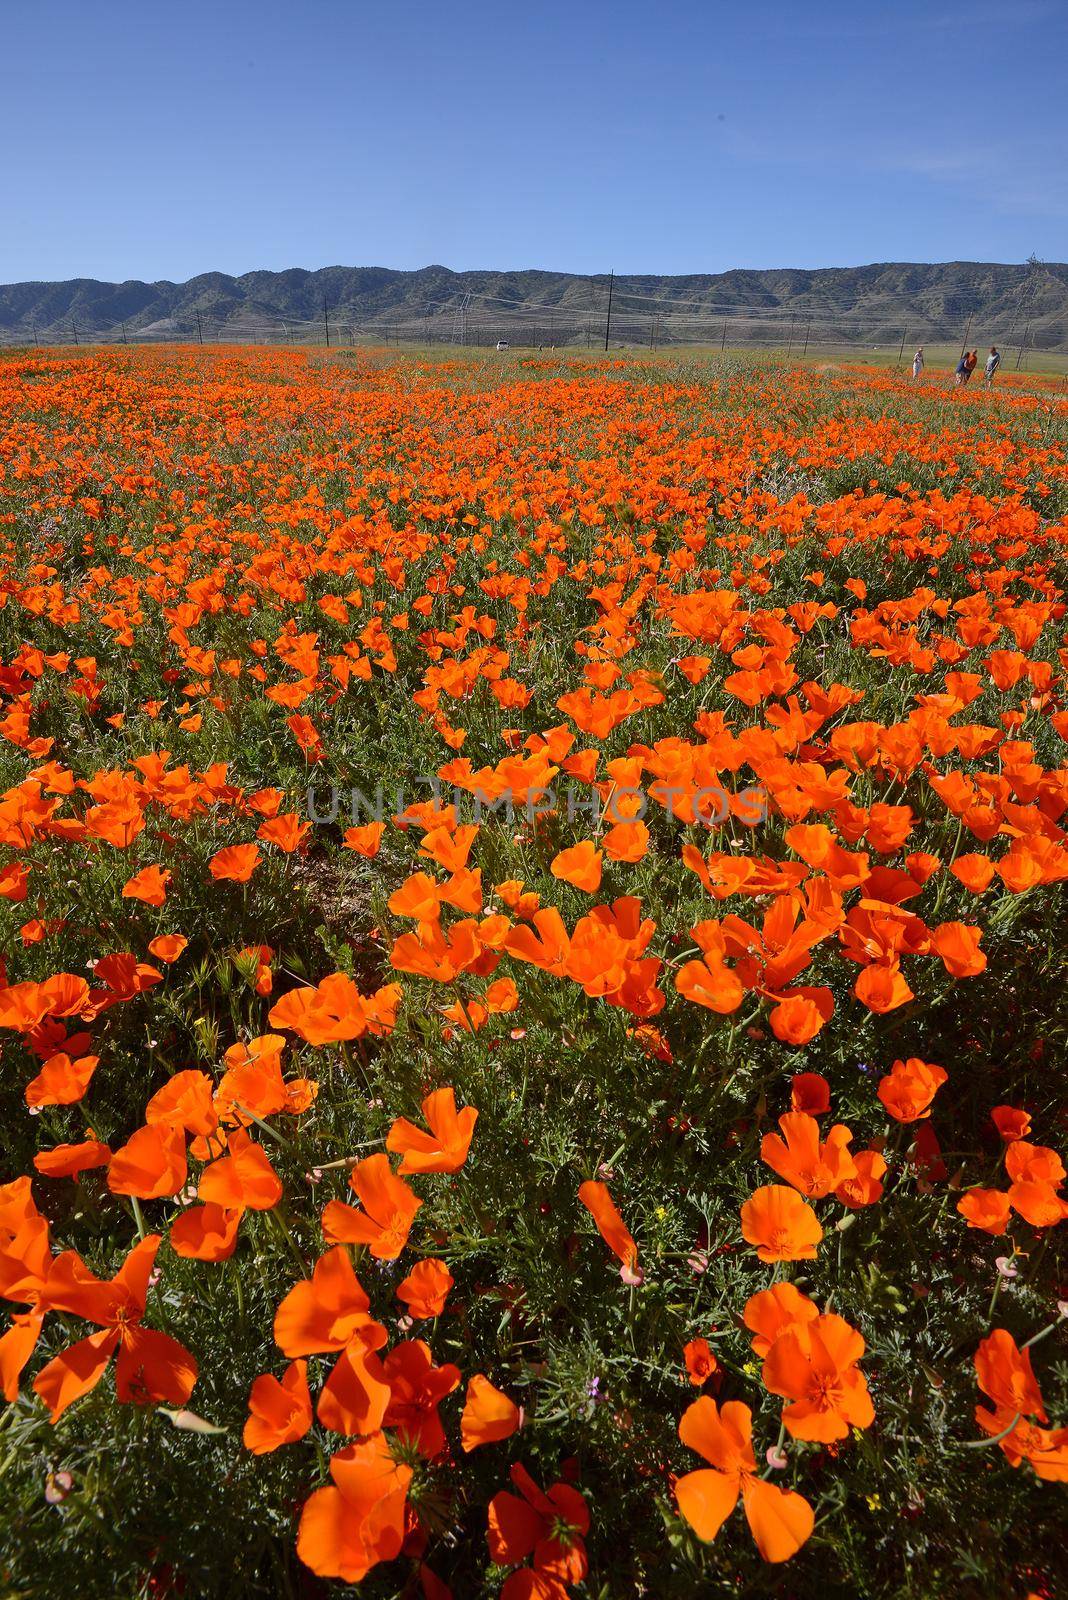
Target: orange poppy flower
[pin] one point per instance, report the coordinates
(336, 1010)
(235, 863)
(152, 1368)
(358, 1520)
(799, 1157)
(323, 1312)
(579, 865)
(280, 1410)
(67, 1160)
(167, 946)
(976, 872)
(814, 1366)
(149, 885)
(150, 1164)
(417, 1388)
(798, 1017)
(810, 1091)
(1011, 1122)
(1004, 1372)
(365, 840)
(986, 1209)
(287, 832)
(780, 1226)
(488, 1415)
(613, 1230)
(354, 1398)
(243, 1179)
(909, 1088)
(701, 1364)
(548, 1525)
(779, 1520)
(185, 1101)
(958, 946)
(426, 1288)
(389, 1208)
(206, 1232)
(61, 1081)
(445, 1147)
(770, 1312)
(865, 1188)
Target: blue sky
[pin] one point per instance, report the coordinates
(157, 140)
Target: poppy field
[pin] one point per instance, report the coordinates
(532, 1006)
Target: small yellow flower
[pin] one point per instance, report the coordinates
(874, 1501)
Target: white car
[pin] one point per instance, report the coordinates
(502, 344)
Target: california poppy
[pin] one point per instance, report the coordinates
(235, 863)
(613, 1230)
(445, 1147)
(389, 1208)
(781, 1227)
(280, 1410)
(358, 1520)
(151, 1368)
(909, 1088)
(813, 1365)
(426, 1288)
(701, 1364)
(488, 1414)
(779, 1519)
(151, 1163)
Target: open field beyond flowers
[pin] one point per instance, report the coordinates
(532, 1007)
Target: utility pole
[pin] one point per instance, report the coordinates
(200, 330)
(967, 331)
(37, 342)
(74, 331)
(608, 317)
(1020, 351)
(901, 351)
(808, 324)
(326, 323)
(124, 338)
(790, 344)
(723, 337)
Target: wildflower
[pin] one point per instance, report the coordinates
(280, 1410)
(776, 1221)
(779, 1520)
(701, 1364)
(613, 1230)
(445, 1147)
(151, 1366)
(389, 1208)
(488, 1414)
(814, 1366)
(909, 1088)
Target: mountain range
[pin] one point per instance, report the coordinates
(1026, 303)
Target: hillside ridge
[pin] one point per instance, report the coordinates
(1026, 303)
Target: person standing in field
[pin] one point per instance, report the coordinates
(917, 362)
(971, 361)
(993, 362)
(962, 369)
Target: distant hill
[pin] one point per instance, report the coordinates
(855, 305)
